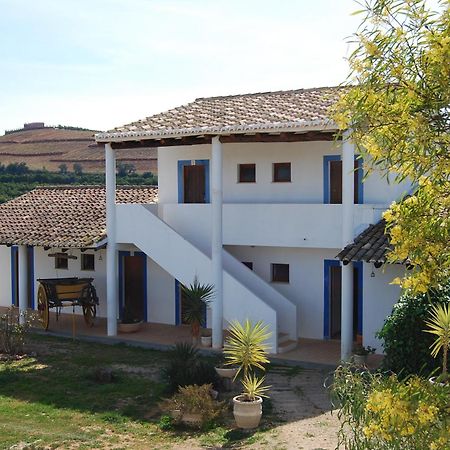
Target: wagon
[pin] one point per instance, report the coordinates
(63, 292)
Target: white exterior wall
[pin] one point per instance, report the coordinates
(306, 160)
(305, 287)
(379, 296)
(5, 276)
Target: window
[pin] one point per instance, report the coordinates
(281, 172)
(247, 173)
(87, 262)
(249, 264)
(61, 261)
(280, 273)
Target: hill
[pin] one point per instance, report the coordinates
(49, 147)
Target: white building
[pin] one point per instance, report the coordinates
(257, 195)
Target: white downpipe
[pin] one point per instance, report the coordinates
(216, 242)
(23, 277)
(348, 156)
(111, 249)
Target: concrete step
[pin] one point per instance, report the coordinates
(286, 346)
(283, 337)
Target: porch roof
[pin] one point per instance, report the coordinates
(64, 216)
(372, 245)
(295, 111)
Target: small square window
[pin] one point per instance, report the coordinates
(247, 173)
(281, 172)
(249, 264)
(61, 262)
(280, 273)
(87, 262)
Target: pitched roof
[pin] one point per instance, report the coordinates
(64, 216)
(293, 110)
(371, 246)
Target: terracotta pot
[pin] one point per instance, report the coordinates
(128, 327)
(206, 341)
(360, 360)
(226, 372)
(247, 414)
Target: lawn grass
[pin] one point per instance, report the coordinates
(52, 400)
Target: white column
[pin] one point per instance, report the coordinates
(111, 249)
(216, 242)
(348, 156)
(23, 281)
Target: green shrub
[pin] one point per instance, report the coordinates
(379, 412)
(13, 334)
(186, 367)
(194, 400)
(406, 344)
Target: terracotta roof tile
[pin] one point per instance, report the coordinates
(236, 113)
(64, 216)
(371, 246)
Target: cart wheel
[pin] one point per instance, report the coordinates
(43, 310)
(89, 313)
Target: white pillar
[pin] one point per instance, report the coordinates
(348, 156)
(23, 282)
(216, 242)
(111, 249)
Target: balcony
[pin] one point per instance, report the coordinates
(268, 224)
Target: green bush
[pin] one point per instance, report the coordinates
(186, 367)
(406, 345)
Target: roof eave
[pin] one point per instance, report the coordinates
(286, 127)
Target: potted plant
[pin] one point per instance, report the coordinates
(197, 298)
(246, 347)
(206, 337)
(129, 323)
(360, 354)
(193, 405)
(439, 325)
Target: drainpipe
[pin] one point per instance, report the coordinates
(111, 248)
(23, 281)
(348, 156)
(217, 242)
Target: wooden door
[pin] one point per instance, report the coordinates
(134, 285)
(336, 182)
(194, 184)
(336, 301)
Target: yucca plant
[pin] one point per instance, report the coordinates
(197, 297)
(439, 325)
(246, 347)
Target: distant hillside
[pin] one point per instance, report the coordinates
(50, 147)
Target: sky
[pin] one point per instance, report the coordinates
(103, 63)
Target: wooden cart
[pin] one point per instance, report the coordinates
(63, 292)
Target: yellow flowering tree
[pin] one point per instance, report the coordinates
(397, 108)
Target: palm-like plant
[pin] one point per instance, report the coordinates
(197, 297)
(439, 325)
(246, 347)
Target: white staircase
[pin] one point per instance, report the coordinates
(245, 294)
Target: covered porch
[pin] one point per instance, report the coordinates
(162, 336)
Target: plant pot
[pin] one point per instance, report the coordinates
(360, 360)
(247, 414)
(128, 327)
(206, 341)
(432, 380)
(226, 372)
(192, 419)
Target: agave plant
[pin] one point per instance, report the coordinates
(197, 297)
(439, 325)
(246, 347)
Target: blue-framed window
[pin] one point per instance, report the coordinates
(327, 160)
(198, 162)
(358, 317)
